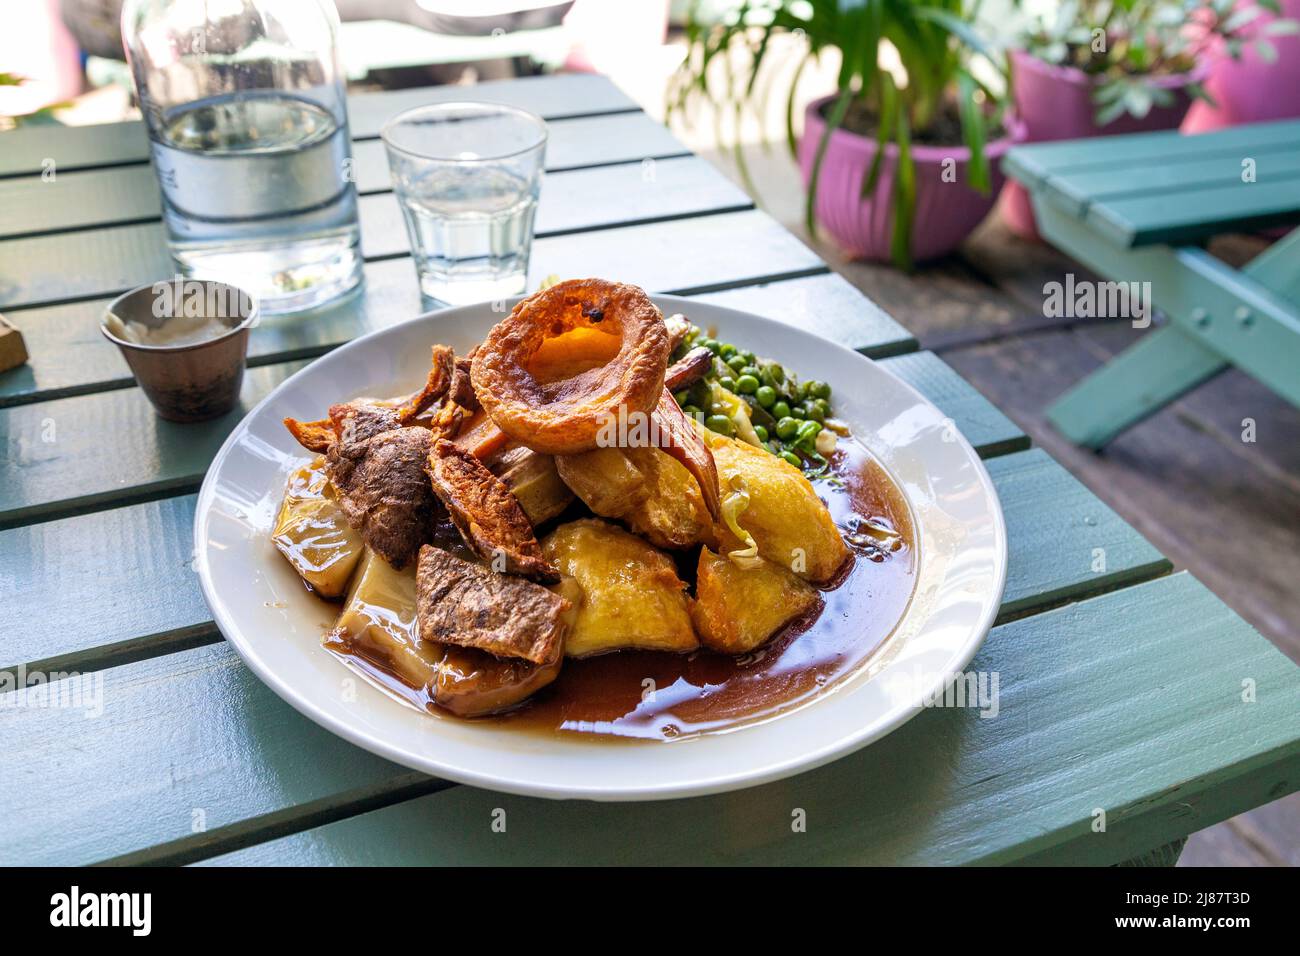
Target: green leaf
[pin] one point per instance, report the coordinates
(885, 124)
(900, 240)
(833, 122)
(790, 136)
(955, 25)
(973, 132)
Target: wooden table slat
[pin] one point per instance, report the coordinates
(87, 147)
(124, 194)
(115, 258)
(133, 564)
(1129, 702)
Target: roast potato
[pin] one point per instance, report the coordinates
(738, 608)
(627, 593)
(311, 532)
(643, 487)
(790, 524)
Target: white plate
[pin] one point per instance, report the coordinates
(272, 622)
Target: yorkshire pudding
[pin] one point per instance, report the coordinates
(564, 417)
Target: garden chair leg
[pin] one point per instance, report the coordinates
(1137, 383)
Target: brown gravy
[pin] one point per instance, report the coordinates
(655, 695)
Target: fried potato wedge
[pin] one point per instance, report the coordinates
(645, 488)
(789, 522)
(738, 609)
(312, 533)
(628, 593)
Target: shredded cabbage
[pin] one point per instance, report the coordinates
(737, 411)
(733, 506)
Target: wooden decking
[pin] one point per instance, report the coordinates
(1224, 508)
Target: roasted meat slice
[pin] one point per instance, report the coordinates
(462, 389)
(487, 515)
(378, 459)
(470, 605)
(382, 481)
(442, 373)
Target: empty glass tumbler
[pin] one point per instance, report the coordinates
(244, 101)
(467, 177)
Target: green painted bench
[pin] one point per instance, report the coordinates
(1120, 682)
(1136, 209)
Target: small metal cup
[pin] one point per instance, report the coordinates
(188, 382)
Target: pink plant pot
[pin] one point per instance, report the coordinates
(1055, 102)
(1252, 90)
(947, 209)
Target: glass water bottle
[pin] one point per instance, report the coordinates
(246, 110)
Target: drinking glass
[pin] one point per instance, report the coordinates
(467, 176)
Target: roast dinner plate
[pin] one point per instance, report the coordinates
(912, 646)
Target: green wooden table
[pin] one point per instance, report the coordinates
(1129, 694)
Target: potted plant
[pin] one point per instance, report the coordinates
(1105, 67)
(1252, 81)
(899, 164)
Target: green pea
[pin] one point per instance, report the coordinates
(693, 410)
(792, 459)
(761, 432)
(713, 345)
(766, 396)
(683, 396)
(727, 350)
(798, 412)
(728, 383)
(751, 369)
(781, 409)
(824, 406)
(813, 412)
(720, 424)
(786, 428)
(747, 384)
(736, 362)
(819, 389)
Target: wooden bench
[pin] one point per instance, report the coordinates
(1137, 209)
